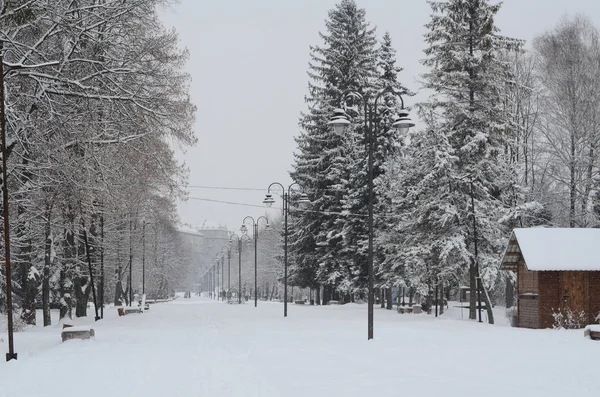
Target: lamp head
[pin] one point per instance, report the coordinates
(268, 200)
(403, 123)
(303, 200)
(339, 121)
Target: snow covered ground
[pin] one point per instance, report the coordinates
(195, 347)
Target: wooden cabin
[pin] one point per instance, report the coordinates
(556, 269)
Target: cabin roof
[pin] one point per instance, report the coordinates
(554, 249)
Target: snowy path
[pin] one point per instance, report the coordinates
(202, 348)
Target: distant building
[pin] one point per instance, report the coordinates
(205, 242)
(215, 238)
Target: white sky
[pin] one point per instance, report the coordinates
(248, 62)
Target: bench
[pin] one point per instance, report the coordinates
(299, 302)
(592, 331)
(69, 332)
(416, 309)
(335, 303)
(403, 309)
(133, 310)
(129, 310)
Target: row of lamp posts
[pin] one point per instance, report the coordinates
(340, 121)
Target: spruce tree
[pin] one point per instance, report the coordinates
(468, 79)
(323, 162)
(387, 142)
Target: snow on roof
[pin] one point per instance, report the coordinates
(189, 230)
(555, 249)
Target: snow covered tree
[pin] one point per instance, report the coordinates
(345, 61)
(331, 240)
(90, 119)
(568, 69)
(468, 78)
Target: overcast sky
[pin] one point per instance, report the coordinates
(248, 62)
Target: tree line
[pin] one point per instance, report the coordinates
(506, 138)
(96, 100)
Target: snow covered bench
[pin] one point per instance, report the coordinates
(129, 310)
(416, 309)
(299, 302)
(592, 331)
(132, 310)
(80, 332)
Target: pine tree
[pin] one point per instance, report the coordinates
(345, 61)
(468, 79)
(388, 141)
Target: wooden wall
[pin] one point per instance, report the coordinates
(549, 297)
(594, 296)
(579, 291)
(528, 290)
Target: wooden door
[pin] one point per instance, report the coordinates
(573, 291)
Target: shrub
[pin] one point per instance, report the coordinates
(511, 314)
(568, 319)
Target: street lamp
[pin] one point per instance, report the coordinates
(340, 122)
(239, 248)
(302, 201)
(228, 248)
(144, 252)
(11, 355)
(220, 257)
(216, 279)
(222, 276)
(244, 231)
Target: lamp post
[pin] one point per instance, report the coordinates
(228, 248)
(144, 253)
(302, 202)
(239, 248)
(340, 121)
(222, 276)
(11, 355)
(219, 258)
(244, 230)
(215, 280)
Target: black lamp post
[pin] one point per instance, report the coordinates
(144, 253)
(340, 121)
(216, 279)
(11, 355)
(239, 248)
(228, 248)
(222, 277)
(302, 202)
(244, 230)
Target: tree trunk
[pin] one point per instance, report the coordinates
(441, 299)
(65, 293)
(29, 293)
(382, 297)
(66, 274)
(81, 281)
(118, 288)
(388, 299)
(46, 273)
(488, 302)
(326, 294)
(82, 295)
(30, 284)
(473, 291)
(510, 292)
(318, 295)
